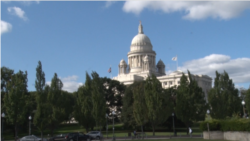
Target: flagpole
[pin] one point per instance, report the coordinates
(111, 73)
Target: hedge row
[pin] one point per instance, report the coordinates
(226, 125)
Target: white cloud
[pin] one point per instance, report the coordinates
(109, 3)
(194, 10)
(5, 27)
(237, 69)
(18, 12)
(70, 83)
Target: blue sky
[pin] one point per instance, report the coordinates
(70, 38)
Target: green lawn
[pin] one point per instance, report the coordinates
(119, 131)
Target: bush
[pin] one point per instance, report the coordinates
(214, 125)
(226, 125)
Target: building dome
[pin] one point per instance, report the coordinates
(122, 62)
(160, 63)
(141, 42)
(141, 39)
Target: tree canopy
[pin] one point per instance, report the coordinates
(223, 97)
(190, 102)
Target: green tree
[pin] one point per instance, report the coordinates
(139, 105)
(41, 114)
(247, 100)
(127, 115)
(98, 99)
(84, 106)
(223, 97)
(190, 102)
(15, 101)
(55, 101)
(6, 74)
(113, 90)
(159, 108)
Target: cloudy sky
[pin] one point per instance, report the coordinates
(70, 38)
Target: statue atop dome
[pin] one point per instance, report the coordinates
(140, 29)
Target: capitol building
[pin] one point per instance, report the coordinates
(142, 63)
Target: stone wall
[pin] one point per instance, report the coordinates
(229, 135)
(213, 135)
(239, 136)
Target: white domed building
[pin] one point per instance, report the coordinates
(142, 63)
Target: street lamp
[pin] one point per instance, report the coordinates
(208, 112)
(107, 125)
(173, 124)
(113, 126)
(3, 116)
(29, 125)
(243, 103)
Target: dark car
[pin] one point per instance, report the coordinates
(60, 137)
(77, 137)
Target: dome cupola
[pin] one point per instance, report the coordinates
(141, 42)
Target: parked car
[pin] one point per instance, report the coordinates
(77, 137)
(31, 138)
(59, 137)
(95, 134)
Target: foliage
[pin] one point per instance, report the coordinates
(226, 125)
(5, 76)
(247, 100)
(157, 103)
(15, 101)
(98, 99)
(223, 97)
(113, 90)
(190, 103)
(84, 106)
(41, 114)
(55, 102)
(127, 111)
(139, 105)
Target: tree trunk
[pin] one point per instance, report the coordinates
(142, 132)
(153, 129)
(16, 132)
(187, 127)
(42, 135)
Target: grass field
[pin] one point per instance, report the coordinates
(119, 131)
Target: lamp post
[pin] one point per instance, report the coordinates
(29, 125)
(243, 103)
(3, 116)
(208, 112)
(107, 125)
(173, 124)
(113, 126)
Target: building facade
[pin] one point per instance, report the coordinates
(142, 63)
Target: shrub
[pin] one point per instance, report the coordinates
(226, 125)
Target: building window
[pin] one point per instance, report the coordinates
(178, 82)
(165, 83)
(170, 82)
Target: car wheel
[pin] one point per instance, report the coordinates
(98, 138)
